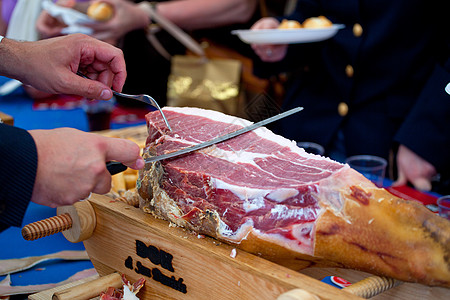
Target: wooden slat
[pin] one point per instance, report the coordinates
(47, 294)
(7, 119)
(203, 266)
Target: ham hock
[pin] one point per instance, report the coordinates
(262, 193)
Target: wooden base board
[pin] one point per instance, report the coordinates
(179, 265)
(47, 294)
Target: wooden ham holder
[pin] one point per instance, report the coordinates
(178, 264)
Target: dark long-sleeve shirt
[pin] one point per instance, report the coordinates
(18, 165)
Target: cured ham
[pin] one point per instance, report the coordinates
(262, 193)
(127, 292)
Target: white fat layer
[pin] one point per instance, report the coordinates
(127, 294)
(279, 195)
(301, 243)
(330, 194)
(254, 197)
(283, 212)
(244, 193)
(303, 233)
(189, 201)
(239, 156)
(253, 204)
(237, 235)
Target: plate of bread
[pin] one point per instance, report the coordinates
(313, 29)
(78, 16)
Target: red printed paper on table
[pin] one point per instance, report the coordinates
(409, 193)
(60, 102)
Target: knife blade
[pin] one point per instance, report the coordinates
(223, 138)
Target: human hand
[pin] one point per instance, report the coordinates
(127, 17)
(414, 169)
(72, 164)
(269, 52)
(51, 65)
(49, 26)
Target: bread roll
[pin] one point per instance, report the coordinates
(317, 22)
(100, 11)
(289, 24)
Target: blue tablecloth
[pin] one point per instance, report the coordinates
(52, 271)
(20, 106)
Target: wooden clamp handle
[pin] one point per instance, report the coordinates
(366, 288)
(76, 222)
(46, 227)
(372, 286)
(90, 289)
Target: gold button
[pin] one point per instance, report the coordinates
(357, 30)
(349, 71)
(342, 109)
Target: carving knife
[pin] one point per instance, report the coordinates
(223, 137)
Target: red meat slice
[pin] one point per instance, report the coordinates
(257, 180)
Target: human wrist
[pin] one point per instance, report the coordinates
(12, 57)
(8, 57)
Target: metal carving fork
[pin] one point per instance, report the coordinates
(142, 97)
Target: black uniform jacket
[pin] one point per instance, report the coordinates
(381, 79)
(18, 165)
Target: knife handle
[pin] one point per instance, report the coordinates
(115, 167)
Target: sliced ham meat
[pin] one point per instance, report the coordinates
(264, 194)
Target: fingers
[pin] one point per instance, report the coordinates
(401, 180)
(419, 183)
(90, 89)
(414, 169)
(124, 151)
(48, 26)
(103, 184)
(266, 23)
(270, 53)
(116, 65)
(103, 59)
(422, 184)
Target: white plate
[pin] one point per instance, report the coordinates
(287, 36)
(68, 15)
(74, 19)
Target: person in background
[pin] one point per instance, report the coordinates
(377, 87)
(148, 70)
(60, 166)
